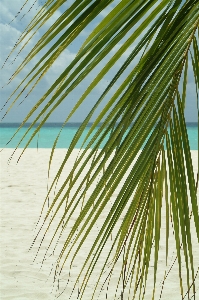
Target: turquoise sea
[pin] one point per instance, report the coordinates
(48, 134)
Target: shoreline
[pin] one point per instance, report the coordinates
(23, 189)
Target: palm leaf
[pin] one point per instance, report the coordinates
(146, 110)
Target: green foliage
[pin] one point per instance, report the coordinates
(145, 111)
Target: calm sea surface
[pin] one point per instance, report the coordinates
(48, 134)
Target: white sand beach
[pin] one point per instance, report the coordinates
(23, 188)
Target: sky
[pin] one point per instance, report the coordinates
(10, 30)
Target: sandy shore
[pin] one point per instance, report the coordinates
(23, 189)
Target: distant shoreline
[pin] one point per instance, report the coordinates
(60, 124)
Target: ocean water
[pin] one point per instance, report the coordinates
(49, 132)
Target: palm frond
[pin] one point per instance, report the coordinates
(143, 114)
